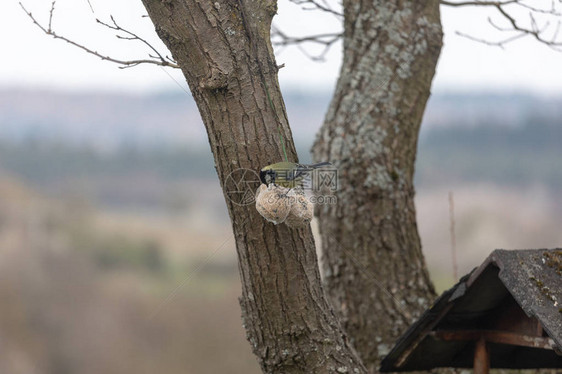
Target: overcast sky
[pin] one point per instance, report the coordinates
(32, 59)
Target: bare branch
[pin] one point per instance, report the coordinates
(132, 36)
(91, 7)
(551, 11)
(316, 5)
(500, 43)
(282, 40)
(160, 60)
(279, 38)
(535, 30)
(477, 3)
(51, 15)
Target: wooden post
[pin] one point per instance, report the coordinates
(481, 357)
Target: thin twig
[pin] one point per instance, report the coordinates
(325, 7)
(91, 7)
(132, 36)
(477, 3)
(453, 236)
(551, 11)
(282, 40)
(279, 38)
(500, 43)
(535, 30)
(51, 15)
(125, 63)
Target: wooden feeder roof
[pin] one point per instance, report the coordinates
(513, 301)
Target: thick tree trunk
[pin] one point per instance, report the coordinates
(223, 48)
(372, 262)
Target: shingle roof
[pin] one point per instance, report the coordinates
(528, 280)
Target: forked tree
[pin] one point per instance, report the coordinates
(376, 279)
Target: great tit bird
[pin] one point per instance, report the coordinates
(287, 174)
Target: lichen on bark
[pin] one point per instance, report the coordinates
(374, 270)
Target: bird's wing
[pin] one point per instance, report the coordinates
(299, 172)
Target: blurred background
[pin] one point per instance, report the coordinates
(116, 253)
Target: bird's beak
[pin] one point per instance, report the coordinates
(262, 176)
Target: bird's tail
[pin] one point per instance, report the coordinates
(320, 164)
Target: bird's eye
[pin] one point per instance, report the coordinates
(270, 177)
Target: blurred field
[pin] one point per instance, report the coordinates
(84, 291)
(122, 261)
(487, 217)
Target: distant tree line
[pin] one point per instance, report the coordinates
(497, 154)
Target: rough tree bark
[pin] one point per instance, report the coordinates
(223, 48)
(373, 267)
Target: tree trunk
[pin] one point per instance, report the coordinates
(372, 263)
(224, 50)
